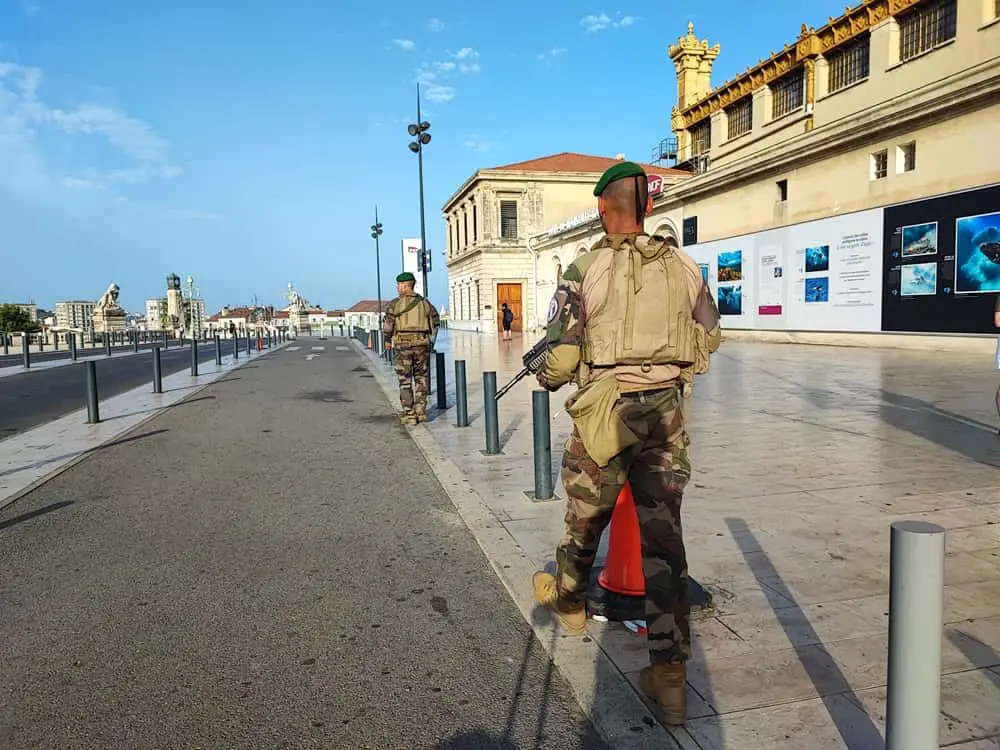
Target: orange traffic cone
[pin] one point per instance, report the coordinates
(369, 340)
(622, 571)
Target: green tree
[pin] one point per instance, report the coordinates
(14, 319)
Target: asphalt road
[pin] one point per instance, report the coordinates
(289, 574)
(16, 358)
(33, 398)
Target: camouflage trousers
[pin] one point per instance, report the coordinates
(412, 369)
(658, 469)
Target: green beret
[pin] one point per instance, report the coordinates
(619, 171)
(405, 276)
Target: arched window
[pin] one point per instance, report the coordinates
(580, 251)
(557, 266)
(666, 229)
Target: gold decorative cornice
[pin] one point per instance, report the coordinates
(811, 43)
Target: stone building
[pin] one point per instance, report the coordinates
(847, 182)
(492, 221)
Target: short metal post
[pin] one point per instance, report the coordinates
(135, 341)
(218, 350)
(93, 407)
(71, 340)
(25, 349)
(542, 442)
(461, 395)
(55, 342)
(916, 621)
(107, 343)
(41, 342)
(441, 384)
(157, 371)
(6, 342)
(194, 356)
(490, 413)
(236, 347)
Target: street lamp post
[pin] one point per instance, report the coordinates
(418, 131)
(376, 232)
(193, 330)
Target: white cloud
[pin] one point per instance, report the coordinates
(601, 21)
(434, 75)
(407, 45)
(435, 25)
(467, 60)
(27, 122)
(552, 53)
(479, 144)
(437, 93)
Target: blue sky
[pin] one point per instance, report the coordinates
(246, 142)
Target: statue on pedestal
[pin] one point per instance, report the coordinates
(298, 310)
(109, 316)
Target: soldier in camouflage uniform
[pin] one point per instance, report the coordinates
(631, 322)
(410, 328)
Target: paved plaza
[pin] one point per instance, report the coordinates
(803, 456)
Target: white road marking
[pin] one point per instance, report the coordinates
(343, 348)
(310, 357)
(293, 348)
(318, 348)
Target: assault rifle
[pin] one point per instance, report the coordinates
(533, 361)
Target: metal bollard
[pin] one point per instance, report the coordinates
(490, 413)
(135, 341)
(107, 344)
(542, 442)
(461, 395)
(25, 350)
(916, 606)
(71, 341)
(194, 357)
(157, 371)
(93, 407)
(236, 348)
(6, 342)
(440, 381)
(55, 342)
(218, 351)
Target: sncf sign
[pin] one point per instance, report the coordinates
(655, 184)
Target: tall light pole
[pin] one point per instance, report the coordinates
(418, 131)
(193, 329)
(376, 232)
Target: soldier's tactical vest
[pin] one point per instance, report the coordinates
(412, 316)
(647, 319)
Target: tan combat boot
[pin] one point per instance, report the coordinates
(408, 417)
(572, 618)
(666, 683)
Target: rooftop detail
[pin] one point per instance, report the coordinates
(811, 43)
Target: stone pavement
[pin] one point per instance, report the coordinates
(270, 564)
(803, 456)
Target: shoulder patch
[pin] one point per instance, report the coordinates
(553, 310)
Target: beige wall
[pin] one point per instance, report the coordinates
(543, 199)
(975, 42)
(953, 155)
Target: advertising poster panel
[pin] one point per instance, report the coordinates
(411, 262)
(942, 263)
(837, 262)
(772, 274)
(728, 267)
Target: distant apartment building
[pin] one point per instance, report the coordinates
(76, 314)
(155, 310)
(29, 307)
